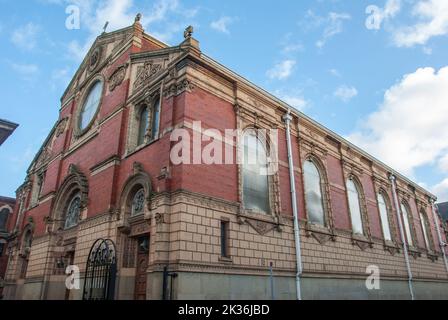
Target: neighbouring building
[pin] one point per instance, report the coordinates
(6, 129)
(105, 195)
(443, 210)
(6, 210)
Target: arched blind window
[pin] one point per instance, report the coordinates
(143, 125)
(3, 219)
(313, 194)
(425, 228)
(384, 217)
(407, 226)
(355, 207)
(255, 179)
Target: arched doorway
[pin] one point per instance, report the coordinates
(101, 270)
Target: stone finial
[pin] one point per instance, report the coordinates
(188, 32)
(138, 17)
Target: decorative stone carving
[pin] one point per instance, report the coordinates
(146, 73)
(261, 227)
(177, 88)
(61, 126)
(188, 33)
(321, 237)
(94, 59)
(363, 245)
(160, 218)
(117, 77)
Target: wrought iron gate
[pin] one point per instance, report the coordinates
(101, 270)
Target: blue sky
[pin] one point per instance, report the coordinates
(373, 71)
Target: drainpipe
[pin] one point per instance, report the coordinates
(287, 118)
(439, 234)
(403, 238)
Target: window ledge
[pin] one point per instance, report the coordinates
(139, 148)
(226, 260)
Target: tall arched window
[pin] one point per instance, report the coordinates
(355, 207)
(155, 119)
(406, 223)
(73, 212)
(4, 214)
(384, 217)
(313, 193)
(255, 179)
(426, 230)
(143, 125)
(26, 249)
(90, 105)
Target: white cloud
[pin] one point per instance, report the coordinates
(432, 16)
(26, 71)
(222, 24)
(298, 102)
(282, 70)
(441, 191)
(121, 13)
(346, 93)
(407, 131)
(443, 163)
(25, 37)
(335, 72)
(334, 25)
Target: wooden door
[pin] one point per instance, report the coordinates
(142, 266)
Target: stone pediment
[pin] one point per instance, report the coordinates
(105, 47)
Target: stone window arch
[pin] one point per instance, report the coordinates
(316, 195)
(426, 231)
(407, 223)
(25, 249)
(357, 207)
(144, 122)
(136, 194)
(385, 214)
(71, 200)
(256, 193)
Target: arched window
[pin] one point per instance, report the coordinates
(4, 213)
(426, 230)
(143, 125)
(255, 179)
(26, 249)
(384, 216)
(90, 105)
(73, 212)
(406, 223)
(355, 207)
(155, 119)
(313, 193)
(138, 203)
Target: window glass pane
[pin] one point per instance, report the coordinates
(73, 212)
(91, 104)
(424, 223)
(384, 217)
(313, 194)
(155, 119)
(255, 180)
(143, 126)
(355, 208)
(138, 202)
(407, 226)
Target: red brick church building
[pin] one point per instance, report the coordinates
(104, 194)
